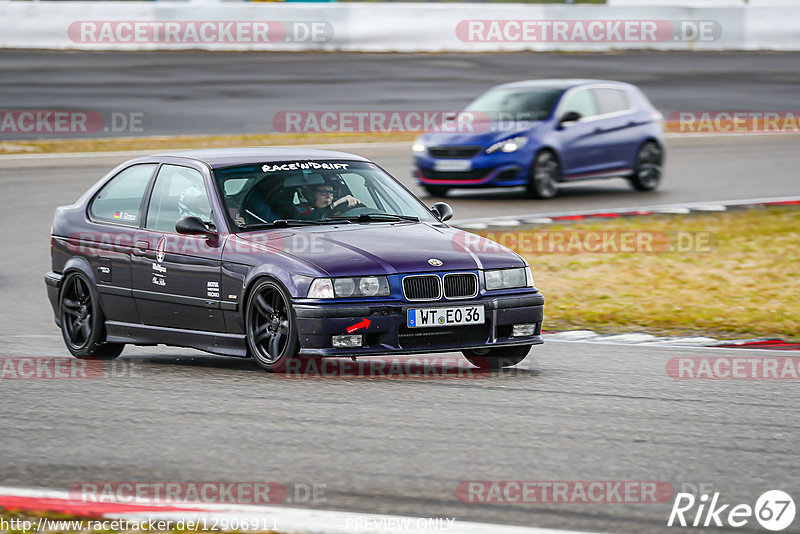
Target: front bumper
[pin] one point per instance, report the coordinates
(387, 332)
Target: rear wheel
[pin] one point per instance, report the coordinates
(82, 320)
(647, 174)
(436, 190)
(271, 329)
(497, 358)
(545, 175)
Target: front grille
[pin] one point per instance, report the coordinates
(453, 151)
(460, 285)
(422, 287)
(478, 174)
(429, 338)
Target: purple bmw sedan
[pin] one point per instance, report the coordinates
(278, 254)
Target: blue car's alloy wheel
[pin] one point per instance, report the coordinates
(545, 175)
(648, 167)
(271, 332)
(82, 320)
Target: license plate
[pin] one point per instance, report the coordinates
(419, 317)
(452, 165)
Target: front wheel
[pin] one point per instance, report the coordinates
(82, 320)
(647, 174)
(497, 358)
(545, 175)
(271, 328)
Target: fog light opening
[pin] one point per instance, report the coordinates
(347, 342)
(523, 330)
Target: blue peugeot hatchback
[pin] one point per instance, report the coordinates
(540, 133)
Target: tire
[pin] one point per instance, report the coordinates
(497, 358)
(271, 327)
(647, 173)
(82, 320)
(436, 190)
(545, 175)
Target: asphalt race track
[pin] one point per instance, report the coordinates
(202, 92)
(571, 411)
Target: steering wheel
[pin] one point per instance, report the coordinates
(358, 209)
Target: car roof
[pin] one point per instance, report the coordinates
(557, 83)
(226, 157)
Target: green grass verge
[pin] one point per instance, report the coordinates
(747, 285)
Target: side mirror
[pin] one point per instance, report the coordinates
(443, 211)
(192, 226)
(570, 116)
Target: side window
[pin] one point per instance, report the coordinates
(120, 200)
(581, 101)
(179, 192)
(611, 100)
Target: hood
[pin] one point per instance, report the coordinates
(386, 248)
(483, 133)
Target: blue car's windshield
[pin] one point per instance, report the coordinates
(515, 104)
(308, 192)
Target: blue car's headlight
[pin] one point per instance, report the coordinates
(508, 145)
(362, 286)
(508, 278)
(418, 147)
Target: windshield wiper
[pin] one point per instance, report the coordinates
(285, 223)
(378, 217)
(282, 223)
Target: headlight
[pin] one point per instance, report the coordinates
(321, 288)
(508, 145)
(367, 286)
(418, 146)
(508, 278)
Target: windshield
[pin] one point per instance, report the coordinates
(310, 192)
(516, 104)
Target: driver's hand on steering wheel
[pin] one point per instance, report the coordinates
(349, 199)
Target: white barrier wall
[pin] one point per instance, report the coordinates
(397, 27)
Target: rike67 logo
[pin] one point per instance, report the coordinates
(774, 510)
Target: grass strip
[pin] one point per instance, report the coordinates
(113, 144)
(740, 278)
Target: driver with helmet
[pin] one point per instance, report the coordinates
(321, 204)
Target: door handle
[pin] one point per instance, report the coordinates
(140, 248)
